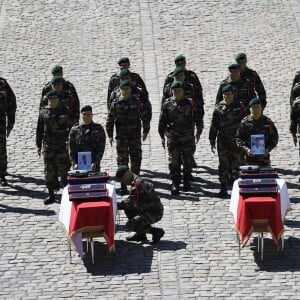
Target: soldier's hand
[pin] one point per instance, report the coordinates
(8, 130)
(39, 151)
(249, 152)
(197, 137)
(213, 148)
(295, 139)
(163, 143)
(111, 140)
(75, 167)
(145, 135)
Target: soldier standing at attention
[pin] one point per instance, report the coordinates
(8, 108)
(115, 80)
(177, 121)
(256, 124)
(88, 136)
(51, 140)
(225, 121)
(252, 78)
(142, 207)
(126, 113)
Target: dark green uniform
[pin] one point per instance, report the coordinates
(127, 116)
(8, 108)
(177, 121)
(52, 136)
(264, 126)
(142, 207)
(87, 138)
(295, 118)
(225, 121)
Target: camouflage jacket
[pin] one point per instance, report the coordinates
(177, 119)
(52, 128)
(114, 83)
(255, 83)
(243, 92)
(67, 86)
(295, 116)
(87, 138)
(8, 106)
(225, 121)
(143, 197)
(249, 126)
(126, 116)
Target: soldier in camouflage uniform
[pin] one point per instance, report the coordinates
(295, 92)
(115, 80)
(252, 78)
(177, 121)
(142, 207)
(51, 140)
(88, 136)
(8, 108)
(225, 121)
(190, 76)
(243, 92)
(256, 123)
(126, 114)
(136, 90)
(57, 70)
(295, 120)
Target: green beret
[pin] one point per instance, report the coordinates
(233, 67)
(122, 169)
(179, 58)
(177, 71)
(56, 79)
(240, 56)
(56, 69)
(176, 85)
(254, 101)
(227, 88)
(86, 108)
(124, 72)
(123, 59)
(125, 83)
(52, 93)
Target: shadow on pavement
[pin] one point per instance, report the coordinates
(25, 179)
(21, 210)
(129, 258)
(16, 190)
(278, 261)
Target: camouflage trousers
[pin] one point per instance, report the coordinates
(3, 153)
(56, 163)
(140, 220)
(230, 159)
(180, 152)
(132, 148)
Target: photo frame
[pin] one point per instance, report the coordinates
(258, 144)
(85, 161)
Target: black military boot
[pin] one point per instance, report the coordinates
(186, 182)
(174, 189)
(223, 192)
(3, 180)
(137, 237)
(123, 190)
(157, 234)
(51, 198)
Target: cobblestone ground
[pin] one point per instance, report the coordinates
(197, 258)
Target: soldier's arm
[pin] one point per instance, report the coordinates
(168, 80)
(219, 97)
(260, 90)
(72, 145)
(213, 130)
(39, 132)
(141, 83)
(273, 141)
(11, 106)
(110, 121)
(294, 117)
(162, 124)
(241, 137)
(199, 102)
(100, 145)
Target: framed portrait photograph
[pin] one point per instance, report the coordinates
(85, 161)
(258, 144)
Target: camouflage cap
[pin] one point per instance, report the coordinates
(254, 101)
(240, 56)
(177, 71)
(56, 69)
(125, 83)
(56, 79)
(233, 67)
(123, 59)
(124, 72)
(176, 85)
(227, 88)
(86, 108)
(122, 169)
(52, 93)
(179, 58)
